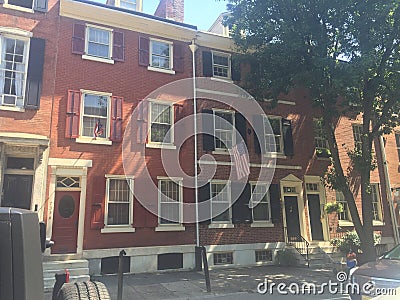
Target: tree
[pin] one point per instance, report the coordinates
(347, 54)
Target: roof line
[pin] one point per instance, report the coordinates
(141, 14)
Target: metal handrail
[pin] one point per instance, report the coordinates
(300, 244)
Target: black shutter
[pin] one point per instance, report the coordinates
(40, 5)
(275, 201)
(240, 124)
(207, 64)
(241, 213)
(35, 73)
(235, 69)
(259, 134)
(208, 126)
(287, 137)
(204, 203)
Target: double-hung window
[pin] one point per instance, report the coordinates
(319, 135)
(220, 202)
(95, 117)
(376, 203)
(161, 54)
(98, 42)
(345, 214)
(397, 135)
(128, 4)
(27, 4)
(260, 203)
(221, 64)
(13, 70)
(357, 134)
(273, 140)
(119, 207)
(224, 129)
(170, 201)
(161, 116)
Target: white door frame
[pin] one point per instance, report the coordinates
(68, 167)
(322, 201)
(294, 182)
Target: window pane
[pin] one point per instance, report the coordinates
(98, 42)
(261, 212)
(344, 216)
(129, 4)
(12, 71)
(221, 65)
(169, 202)
(118, 214)
(22, 3)
(119, 190)
(160, 54)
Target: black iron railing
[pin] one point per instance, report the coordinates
(300, 244)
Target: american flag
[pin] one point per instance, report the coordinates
(241, 160)
(98, 129)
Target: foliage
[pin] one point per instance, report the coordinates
(351, 242)
(333, 207)
(286, 257)
(346, 53)
(323, 152)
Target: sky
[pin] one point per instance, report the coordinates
(201, 13)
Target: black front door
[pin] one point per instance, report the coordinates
(314, 210)
(17, 191)
(292, 217)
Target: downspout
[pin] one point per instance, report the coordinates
(193, 48)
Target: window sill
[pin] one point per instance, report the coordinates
(377, 223)
(221, 225)
(116, 229)
(93, 141)
(161, 146)
(257, 224)
(220, 152)
(166, 71)
(276, 155)
(345, 223)
(12, 108)
(16, 7)
(224, 79)
(98, 59)
(170, 228)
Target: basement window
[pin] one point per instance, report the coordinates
(223, 258)
(263, 255)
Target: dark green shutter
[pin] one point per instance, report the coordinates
(235, 69)
(287, 137)
(241, 213)
(259, 134)
(275, 201)
(208, 130)
(207, 64)
(35, 73)
(204, 203)
(240, 124)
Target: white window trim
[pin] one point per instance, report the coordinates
(20, 8)
(22, 35)
(138, 5)
(229, 77)
(88, 56)
(91, 140)
(357, 125)
(221, 224)
(261, 223)
(349, 221)
(324, 140)
(397, 133)
(125, 227)
(280, 154)
(223, 150)
(170, 227)
(170, 70)
(150, 143)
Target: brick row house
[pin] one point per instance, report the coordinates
(91, 94)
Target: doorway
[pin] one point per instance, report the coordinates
(292, 217)
(314, 210)
(65, 223)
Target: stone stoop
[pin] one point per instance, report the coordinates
(78, 269)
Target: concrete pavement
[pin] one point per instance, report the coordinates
(226, 283)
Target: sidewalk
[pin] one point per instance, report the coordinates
(191, 284)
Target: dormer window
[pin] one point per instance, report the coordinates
(127, 4)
